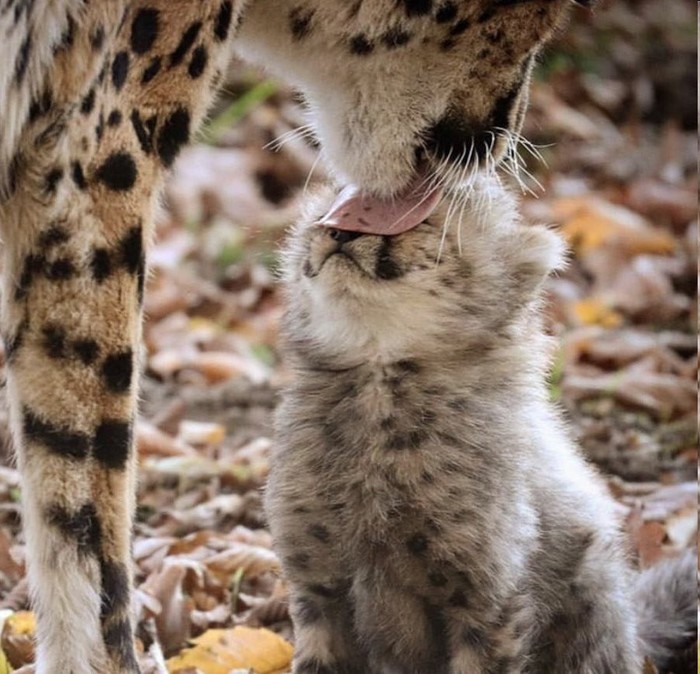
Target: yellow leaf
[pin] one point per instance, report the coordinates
(593, 311)
(21, 622)
(220, 651)
(590, 223)
(17, 639)
(5, 667)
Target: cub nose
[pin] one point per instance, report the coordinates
(342, 236)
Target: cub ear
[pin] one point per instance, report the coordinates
(539, 252)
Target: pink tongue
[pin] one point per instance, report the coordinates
(358, 212)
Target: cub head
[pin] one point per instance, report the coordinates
(397, 87)
(447, 283)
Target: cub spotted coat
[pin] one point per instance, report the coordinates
(430, 510)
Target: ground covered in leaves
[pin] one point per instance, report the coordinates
(613, 113)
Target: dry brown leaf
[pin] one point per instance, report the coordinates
(201, 433)
(252, 559)
(151, 441)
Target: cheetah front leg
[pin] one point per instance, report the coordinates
(127, 87)
(71, 343)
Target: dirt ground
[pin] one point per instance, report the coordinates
(614, 117)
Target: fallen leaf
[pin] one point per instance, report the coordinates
(590, 223)
(218, 651)
(17, 638)
(594, 311)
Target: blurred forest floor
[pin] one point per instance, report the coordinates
(614, 113)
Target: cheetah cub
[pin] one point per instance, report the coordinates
(431, 514)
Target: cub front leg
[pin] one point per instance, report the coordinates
(321, 609)
(323, 629)
(498, 647)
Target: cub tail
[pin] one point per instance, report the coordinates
(667, 605)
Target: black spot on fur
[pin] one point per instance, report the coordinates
(474, 638)
(407, 365)
(143, 130)
(114, 119)
(53, 236)
(114, 590)
(131, 249)
(144, 30)
(152, 70)
(186, 42)
(460, 27)
(222, 23)
(437, 579)
(82, 527)
(319, 532)
(174, 133)
(396, 37)
(418, 7)
(360, 45)
(87, 350)
(386, 268)
(118, 172)
(97, 39)
(67, 37)
(100, 127)
(117, 370)
(53, 177)
(33, 265)
(56, 439)
(487, 15)
(112, 443)
(446, 12)
(88, 103)
(417, 544)
(198, 62)
(23, 59)
(61, 269)
(118, 640)
(40, 106)
(458, 599)
(306, 611)
(101, 264)
(54, 341)
(299, 560)
(407, 440)
(78, 175)
(326, 591)
(300, 22)
(120, 69)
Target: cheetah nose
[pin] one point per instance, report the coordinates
(342, 236)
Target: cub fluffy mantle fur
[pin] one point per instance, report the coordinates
(430, 510)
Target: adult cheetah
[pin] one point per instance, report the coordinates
(96, 99)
